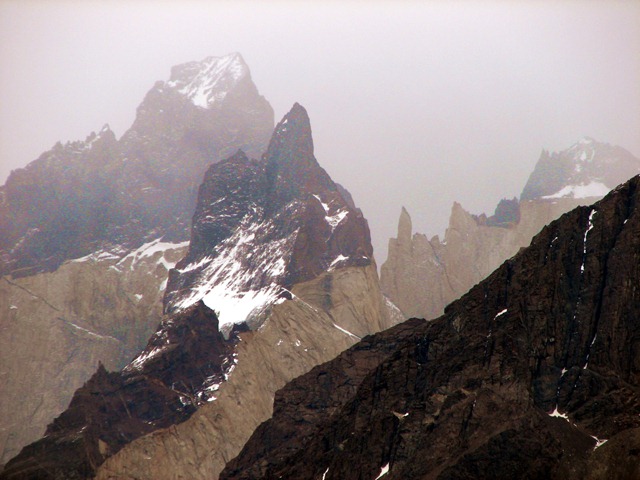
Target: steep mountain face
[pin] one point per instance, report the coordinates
(279, 277)
(56, 327)
(265, 226)
(116, 195)
(534, 373)
(422, 276)
(89, 230)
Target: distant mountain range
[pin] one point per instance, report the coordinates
(111, 195)
(421, 276)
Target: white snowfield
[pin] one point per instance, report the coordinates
(592, 189)
(144, 251)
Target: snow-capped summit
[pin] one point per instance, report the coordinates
(114, 194)
(586, 169)
(208, 81)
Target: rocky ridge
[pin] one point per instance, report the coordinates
(421, 276)
(115, 195)
(89, 230)
(532, 374)
(280, 268)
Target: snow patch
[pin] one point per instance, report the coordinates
(500, 313)
(334, 220)
(383, 471)
(584, 248)
(557, 414)
(144, 357)
(150, 249)
(90, 333)
(236, 307)
(592, 189)
(216, 76)
(243, 280)
(337, 260)
(599, 442)
(346, 331)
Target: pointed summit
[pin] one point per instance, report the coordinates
(293, 131)
(291, 165)
(404, 226)
(210, 80)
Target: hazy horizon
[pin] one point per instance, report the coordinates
(414, 104)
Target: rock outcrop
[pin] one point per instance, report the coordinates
(534, 373)
(279, 277)
(421, 276)
(89, 230)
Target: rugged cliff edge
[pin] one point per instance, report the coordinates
(279, 277)
(89, 230)
(422, 276)
(534, 373)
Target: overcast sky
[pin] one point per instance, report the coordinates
(411, 103)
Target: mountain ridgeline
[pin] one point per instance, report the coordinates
(178, 277)
(421, 276)
(534, 373)
(278, 277)
(89, 230)
(115, 195)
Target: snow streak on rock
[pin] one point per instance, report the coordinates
(244, 275)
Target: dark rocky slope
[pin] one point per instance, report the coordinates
(524, 377)
(112, 409)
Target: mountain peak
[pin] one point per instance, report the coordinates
(586, 169)
(295, 126)
(208, 81)
(290, 164)
(404, 226)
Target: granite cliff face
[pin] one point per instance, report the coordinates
(56, 327)
(89, 230)
(422, 276)
(279, 276)
(534, 373)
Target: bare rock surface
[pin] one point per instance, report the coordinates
(56, 327)
(533, 373)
